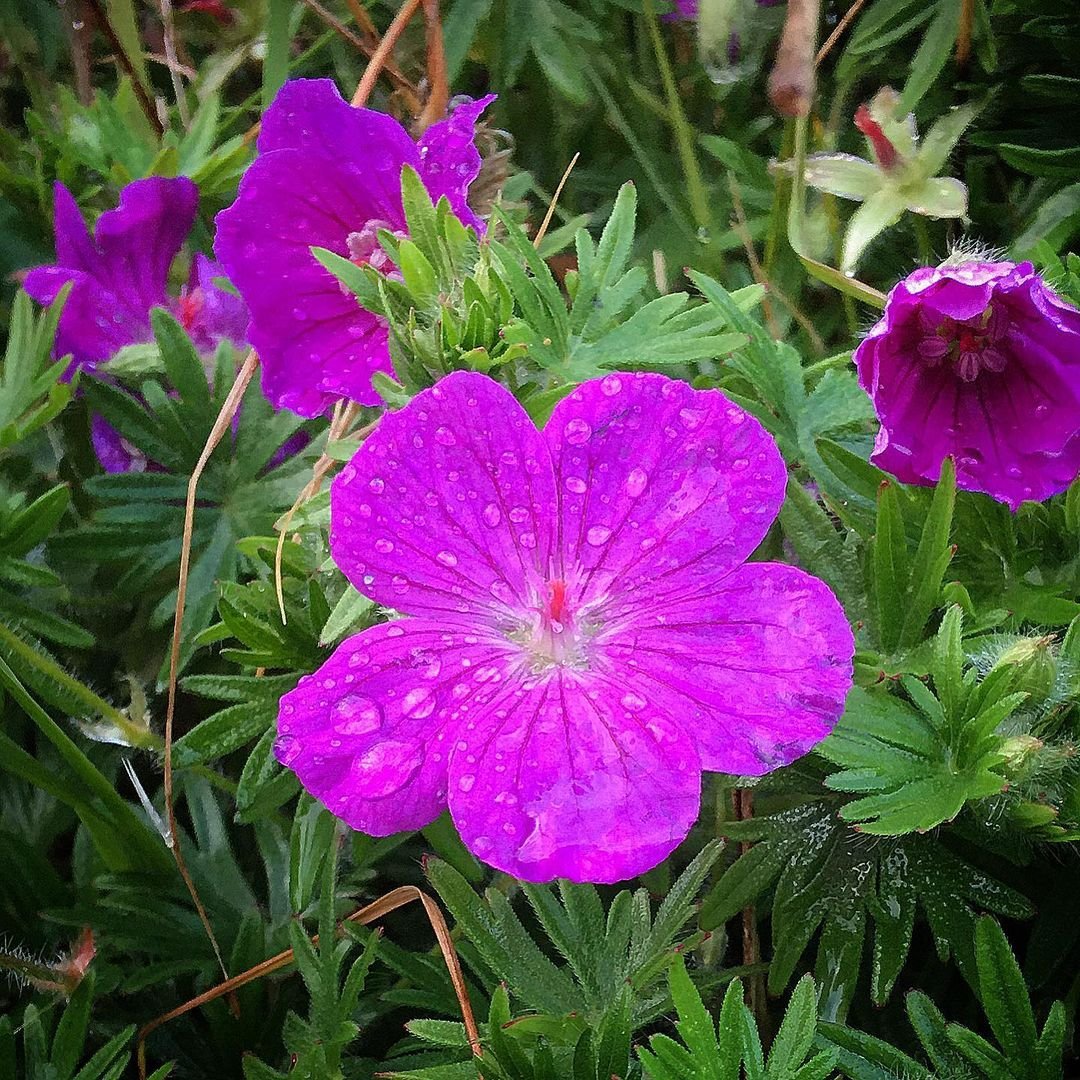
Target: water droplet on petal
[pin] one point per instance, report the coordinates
(387, 767)
(399, 584)
(610, 385)
(491, 515)
(636, 482)
(466, 782)
(447, 558)
(355, 714)
(633, 702)
(376, 485)
(384, 546)
(445, 437)
(287, 749)
(518, 514)
(692, 418)
(598, 535)
(577, 431)
(501, 591)
(418, 703)
(576, 485)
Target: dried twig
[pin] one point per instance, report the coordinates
(393, 900)
(791, 81)
(438, 78)
(742, 231)
(538, 239)
(124, 61)
(221, 425)
(841, 26)
(380, 57)
(169, 37)
(963, 37)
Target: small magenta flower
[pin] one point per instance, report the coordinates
(584, 638)
(122, 273)
(981, 361)
(329, 175)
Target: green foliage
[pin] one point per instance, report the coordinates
(1021, 1053)
(731, 1047)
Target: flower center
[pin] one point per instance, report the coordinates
(557, 635)
(188, 306)
(364, 247)
(970, 345)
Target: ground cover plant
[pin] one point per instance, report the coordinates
(540, 539)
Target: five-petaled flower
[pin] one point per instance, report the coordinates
(584, 638)
(119, 275)
(329, 175)
(981, 361)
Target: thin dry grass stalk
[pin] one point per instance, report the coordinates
(838, 31)
(538, 239)
(438, 77)
(378, 909)
(381, 55)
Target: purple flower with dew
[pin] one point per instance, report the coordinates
(981, 361)
(583, 638)
(329, 175)
(121, 273)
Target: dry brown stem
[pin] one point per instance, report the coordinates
(386, 904)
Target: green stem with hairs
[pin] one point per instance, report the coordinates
(684, 133)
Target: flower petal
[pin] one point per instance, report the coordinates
(369, 733)
(662, 489)
(449, 160)
(572, 775)
(74, 248)
(94, 323)
(761, 666)
(310, 116)
(447, 508)
(140, 238)
(316, 343)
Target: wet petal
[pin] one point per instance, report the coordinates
(449, 160)
(370, 732)
(140, 238)
(760, 667)
(663, 489)
(447, 508)
(315, 342)
(310, 116)
(573, 775)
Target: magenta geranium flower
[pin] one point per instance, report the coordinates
(329, 175)
(121, 274)
(981, 361)
(583, 638)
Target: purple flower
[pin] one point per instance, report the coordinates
(981, 361)
(584, 639)
(122, 273)
(329, 175)
(684, 10)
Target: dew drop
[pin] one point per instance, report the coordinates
(577, 431)
(447, 558)
(527, 540)
(518, 514)
(384, 546)
(482, 845)
(399, 584)
(598, 535)
(377, 485)
(355, 714)
(636, 482)
(576, 485)
(491, 515)
(418, 703)
(610, 385)
(633, 702)
(501, 591)
(466, 782)
(445, 437)
(433, 668)
(287, 749)
(388, 766)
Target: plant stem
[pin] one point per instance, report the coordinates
(684, 133)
